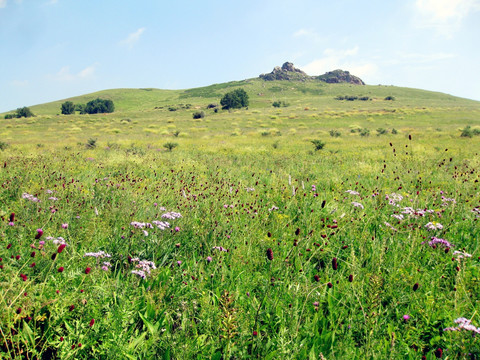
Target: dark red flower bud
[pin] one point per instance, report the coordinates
(61, 338)
(54, 256)
(19, 310)
(350, 278)
(32, 254)
(270, 254)
(439, 353)
(269, 234)
(297, 232)
(334, 264)
(317, 278)
(330, 285)
(92, 322)
(87, 270)
(60, 269)
(17, 257)
(255, 333)
(32, 265)
(71, 307)
(9, 246)
(61, 247)
(12, 217)
(39, 234)
(415, 287)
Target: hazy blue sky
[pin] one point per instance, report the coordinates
(54, 49)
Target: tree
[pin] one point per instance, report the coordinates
(24, 112)
(235, 99)
(99, 106)
(68, 108)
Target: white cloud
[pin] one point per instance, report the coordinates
(132, 38)
(445, 16)
(3, 3)
(345, 59)
(64, 73)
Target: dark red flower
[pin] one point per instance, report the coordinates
(61, 338)
(32, 265)
(39, 234)
(317, 278)
(255, 333)
(92, 322)
(270, 254)
(54, 256)
(297, 232)
(87, 270)
(12, 217)
(439, 353)
(17, 257)
(19, 310)
(61, 247)
(60, 269)
(71, 307)
(415, 287)
(330, 285)
(334, 264)
(32, 254)
(9, 246)
(350, 278)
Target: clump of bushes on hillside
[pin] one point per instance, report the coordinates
(467, 131)
(21, 112)
(198, 115)
(97, 106)
(235, 99)
(278, 104)
(352, 98)
(318, 144)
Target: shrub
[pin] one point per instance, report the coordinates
(335, 133)
(390, 98)
(172, 108)
(364, 98)
(212, 106)
(3, 145)
(99, 106)
(24, 112)
(176, 133)
(364, 132)
(476, 131)
(394, 131)
(382, 131)
(198, 114)
(235, 99)
(91, 143)
(170, 146)
(68, 108)
(278, 104)
(80, 108)
(467, 131)
(9, 116)
(319, 144)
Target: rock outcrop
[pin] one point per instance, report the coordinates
(340, 76)
(286, 72)
(290, 72)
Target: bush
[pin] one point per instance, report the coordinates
(68, 108)
(24, 112)
(394, 131)
(365, 132)
(9, 116)
(389, 98)
(198, 115)
(335, 133)
(212, 106)
(170, 146)
(382, 131)
(235, 99)
(467, 131)
(91, 143)
(319, 144)
(3, 145)
(80, 108)
(278, 104)
(99, 106)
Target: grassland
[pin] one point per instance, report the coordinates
(281, 251)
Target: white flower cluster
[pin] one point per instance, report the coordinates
(101, 254)
(463, 324)
(352, 192)
(171, 215)
(144, 267)
(434, 226)
(57, 241)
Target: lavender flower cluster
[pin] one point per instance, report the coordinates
(101, 254)
(144, 267)
(463, 324)
(30, 197)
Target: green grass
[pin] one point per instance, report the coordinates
(247, 181)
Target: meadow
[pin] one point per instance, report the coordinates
(244, 241)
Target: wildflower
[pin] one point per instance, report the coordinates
(415, 287)
(317, 278)
(406, 317)
(177, 229)
(270, 254)
(162, 225)
(209, 259)
(92, 322)
(350, 278)
(100, 254)
(60, 269)
(30, 197)
(273, 208)
(19, 310)
(334, 263)
(65, 226)
(9, 246)
(436, 241)
(39, 234)
(316, 304)
(11, 223)
(61, 247)
(139, 273)
(352, 192)
(171, 215)
(461, 254)
(71, 307)
(398, 216)
(439, 351)
(106, 266)
(12, 217)
(330, 285)
(434, 226)
(255, 333)
(87, 270)
(220, 248)
(357, 204)
(179, 262)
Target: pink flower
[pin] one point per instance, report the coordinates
(60, 269)
(87, 270)
(177, 229)
(406, 317)
(39, 234)
(65, 226)
(61, 247)
(92, 322)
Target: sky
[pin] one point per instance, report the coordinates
(55, 49)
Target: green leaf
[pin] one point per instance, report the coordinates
(28, 334)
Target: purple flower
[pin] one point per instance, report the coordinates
(406, 317)
(209, 259)
(179, 263)
(177, 229)
(442, 242)
(65, 226)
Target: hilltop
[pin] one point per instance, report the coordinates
(289, 72)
